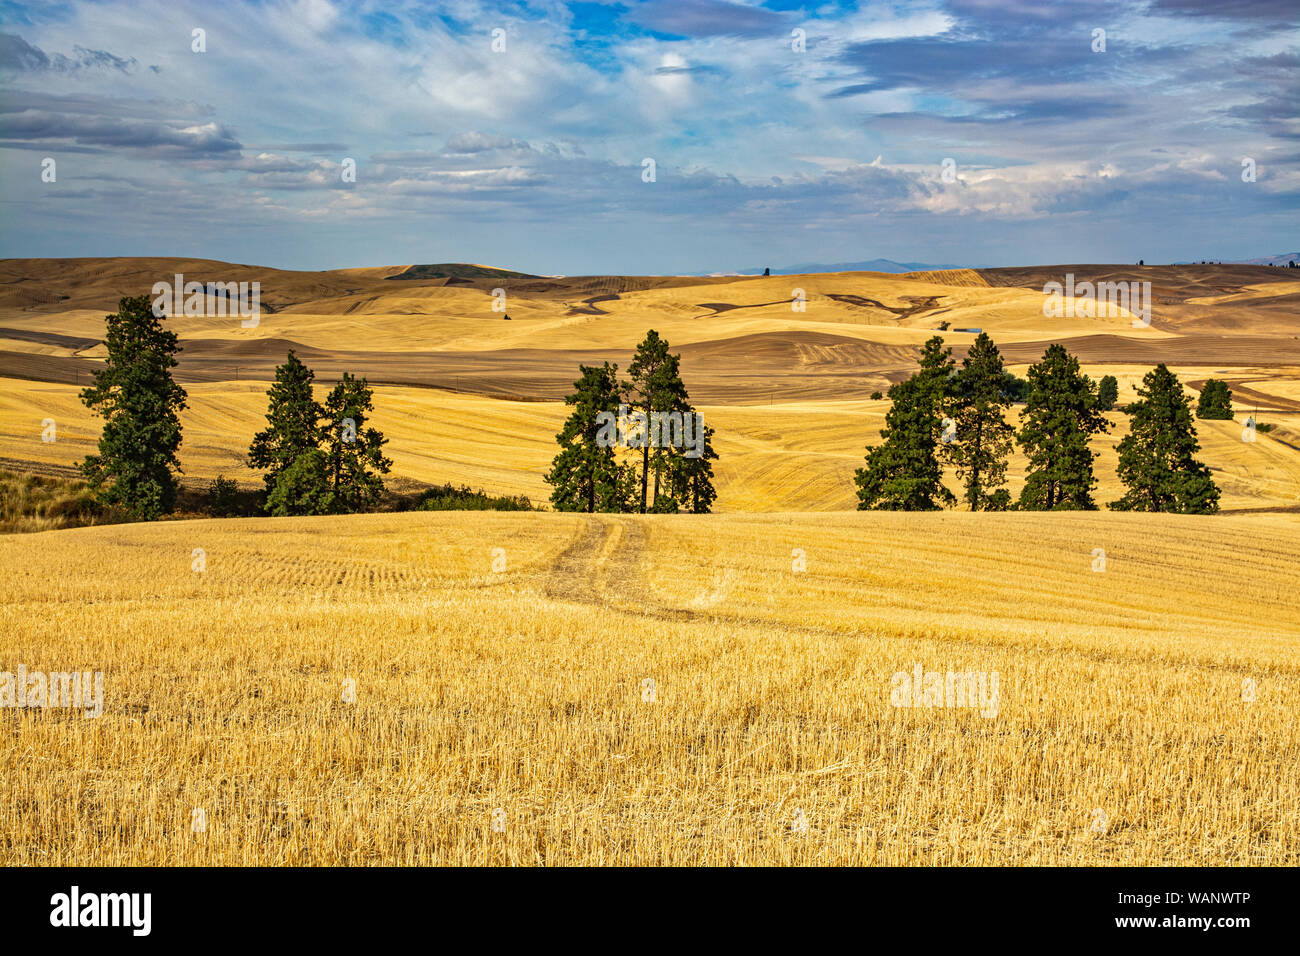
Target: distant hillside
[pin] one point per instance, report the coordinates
(459, 270)
(873, 265)
(1281, 260)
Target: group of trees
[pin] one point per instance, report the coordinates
(945, 415)
(320, 458)
(589, 473)
(324, 458)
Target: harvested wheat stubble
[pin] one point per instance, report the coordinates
(525, 691)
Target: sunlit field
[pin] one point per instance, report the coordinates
(559, 689)
(542, 688)
(786, 456)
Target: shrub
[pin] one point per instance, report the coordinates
(450, 498)
(1215, 401)
(223, 497)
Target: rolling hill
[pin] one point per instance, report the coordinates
(466, 396)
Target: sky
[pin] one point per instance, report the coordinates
(521, 134)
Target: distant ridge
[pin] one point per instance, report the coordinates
(459, 270)
(873, 265)
(1281, 260)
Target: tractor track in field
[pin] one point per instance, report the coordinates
(602, 566)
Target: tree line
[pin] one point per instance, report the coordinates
(948, 415)
(325, 458)
(320, 458)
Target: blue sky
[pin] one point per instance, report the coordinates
(531, 157)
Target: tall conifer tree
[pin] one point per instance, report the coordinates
(655, 386)
(1059, 418)
(293, 430)
(586, 474)
(1157, 460)
(356, 452)
(982, 438)
(141, 406)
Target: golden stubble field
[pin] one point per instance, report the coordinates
(666, 690)
(675, 690)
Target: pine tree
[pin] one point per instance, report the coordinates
(904, 473)
(356, 456)
(656, 386)
(586, 474)
(303, 488)
(1215, 401)
(294, 430)
(1107, 393)
(141, 406)
(937, 378)
(1060, 416)
(982, 437)
(692, 478)
(1156, 457)
(1014, 389)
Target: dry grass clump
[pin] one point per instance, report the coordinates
(42, 503)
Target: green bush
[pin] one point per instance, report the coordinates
(1215, 401)
(450, 498)
(1015, 389)
(223, 497)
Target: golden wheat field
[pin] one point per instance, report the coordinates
(542, 688)
(558, 689)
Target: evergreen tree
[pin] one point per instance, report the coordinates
(141, 406)
(293, 431)
(586, 474)
(1060, 416)
(1107, 393)
(904, 473)
(937, 379)
(1215, 401)
(356, 455)
(303, 488)
(655, 386)
(982, 438)
(1156, 457)
(692, 478)
(293, 425)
